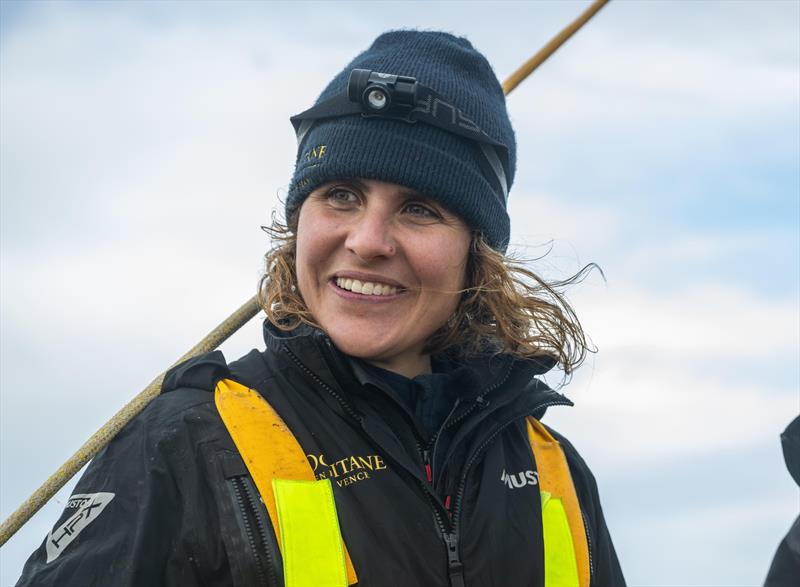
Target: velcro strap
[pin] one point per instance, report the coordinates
(560, 565)
(312, 547)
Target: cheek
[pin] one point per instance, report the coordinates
(310, 247)
(301, 259)
(446, 270)
(455, 261)
(315, 228)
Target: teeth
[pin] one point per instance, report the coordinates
(367, 288)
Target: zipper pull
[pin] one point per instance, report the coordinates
(455, 570)
(426, 461)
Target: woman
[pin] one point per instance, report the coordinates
(402, 348)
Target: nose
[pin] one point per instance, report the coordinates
(370, 237)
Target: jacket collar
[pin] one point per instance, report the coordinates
(490, 373)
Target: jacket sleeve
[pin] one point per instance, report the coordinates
(122, 524)
(606, 570)
(785, 568)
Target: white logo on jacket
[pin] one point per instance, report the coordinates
(520, 479)
(89, 505)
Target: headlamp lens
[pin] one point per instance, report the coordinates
(377, 99)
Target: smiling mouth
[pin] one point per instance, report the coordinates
(367, 288)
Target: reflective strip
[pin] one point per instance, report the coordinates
(560, 566)
(555, 483)
(303, 129)
(494, 161)
(267, 446)
(312, 547)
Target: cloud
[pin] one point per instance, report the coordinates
(660, 414)
(184, 121)
(668, 88)
(665, 121)
(704, 320)
(539, 217)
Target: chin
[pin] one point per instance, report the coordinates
(358, 348)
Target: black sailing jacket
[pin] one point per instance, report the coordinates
(169, 500)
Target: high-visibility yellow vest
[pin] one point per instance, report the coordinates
(303, 511)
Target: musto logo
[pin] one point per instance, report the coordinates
(348, 470)
(520, 479)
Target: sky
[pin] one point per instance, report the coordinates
(143, 144)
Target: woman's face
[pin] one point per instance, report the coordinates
(380, 268)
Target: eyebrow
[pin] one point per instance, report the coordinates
(405, 192)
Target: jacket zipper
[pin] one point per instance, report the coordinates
(347, 407)
(450, 538)
(426, 463)
(258, 535)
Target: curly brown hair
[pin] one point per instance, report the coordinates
(505, 306)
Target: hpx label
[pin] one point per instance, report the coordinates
(89, 506)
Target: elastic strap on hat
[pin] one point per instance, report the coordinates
(430, 108)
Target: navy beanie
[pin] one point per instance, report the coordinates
(437, 163)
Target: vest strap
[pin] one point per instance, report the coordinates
(271, 452)
(566, 550)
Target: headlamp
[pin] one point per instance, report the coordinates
(380, 92)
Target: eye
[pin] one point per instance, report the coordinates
(421, 210)
(342, 197)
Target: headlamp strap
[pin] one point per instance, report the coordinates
(430, 108)
(339, 105)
